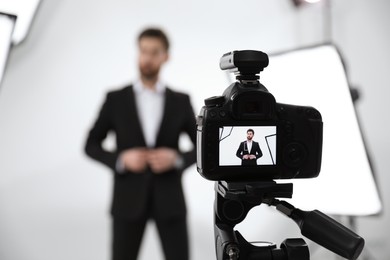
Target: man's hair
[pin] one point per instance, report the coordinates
(155, 33)
(250, 130)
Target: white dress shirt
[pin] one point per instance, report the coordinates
(249, 145)
(150, 108)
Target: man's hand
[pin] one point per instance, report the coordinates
(252, 156)
(245, 157)
(135, 159)
(162, 159)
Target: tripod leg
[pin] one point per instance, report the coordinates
(226, 244)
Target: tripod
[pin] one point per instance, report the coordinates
(233, 202)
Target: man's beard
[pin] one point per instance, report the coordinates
(149, 73)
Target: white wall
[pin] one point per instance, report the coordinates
(54, 201)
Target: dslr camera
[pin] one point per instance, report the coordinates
(246, 140)
(286, 140)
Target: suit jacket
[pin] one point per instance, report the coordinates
(243, 150)
(136, 194)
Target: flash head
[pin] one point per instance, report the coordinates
(245, 62)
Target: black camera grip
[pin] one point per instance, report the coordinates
(330, 234)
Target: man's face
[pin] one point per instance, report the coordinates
(152, 55)
(249, 135)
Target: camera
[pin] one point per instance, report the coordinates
(245, 135)
(245, 140)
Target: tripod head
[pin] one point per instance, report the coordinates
(235, 199)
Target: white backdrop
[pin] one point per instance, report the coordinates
(54, 201)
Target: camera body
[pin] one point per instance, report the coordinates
(285, 142)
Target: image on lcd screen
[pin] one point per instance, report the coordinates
(247, 145)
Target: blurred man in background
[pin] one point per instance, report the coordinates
(147, 118)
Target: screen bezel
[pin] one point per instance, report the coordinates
(210, 168)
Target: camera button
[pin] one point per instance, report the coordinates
(294, 154)
(289, 128)
(214, 101)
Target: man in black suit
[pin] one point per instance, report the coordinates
(249, 151)
(147, 118)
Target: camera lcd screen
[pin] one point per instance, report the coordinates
(247, 145)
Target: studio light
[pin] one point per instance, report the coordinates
(316, 77)
(299, 3)
(7, 24)
(15, 21)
